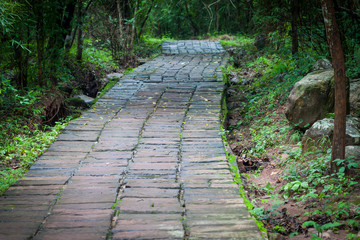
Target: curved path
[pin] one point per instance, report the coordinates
(146, 162)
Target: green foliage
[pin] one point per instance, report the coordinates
(13, 101)
(237, 177)
(100, 57)
(237, 41)
(266, 135)
(20, 152)
(306, 177)
(8, 15)
(321, 228)
(150, 47)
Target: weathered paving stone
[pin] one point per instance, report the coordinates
(151, 192)
(150, 205)
(145, 162)
(149, 226)
(89, 136)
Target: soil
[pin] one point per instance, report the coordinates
(267, 171)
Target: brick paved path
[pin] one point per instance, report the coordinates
(146, 162)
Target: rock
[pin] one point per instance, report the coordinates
(352, 151)
(245, 81)
(322, 130)
(88, 100)
(355, 95)
(313, 232)
(260, 41)
(327, 235)
(235, 80)
(321, 64)
(276, 236)
(113, 76)
(311, 99)
(77, 103)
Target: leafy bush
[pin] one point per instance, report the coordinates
(100, 57)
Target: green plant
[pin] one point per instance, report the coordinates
(18, 154)
(100, 57)
(296, 137)
(237, 178)
(294, 187)
(321, 228)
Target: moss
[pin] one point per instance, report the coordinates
(233, 166)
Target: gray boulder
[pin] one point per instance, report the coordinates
(87, 100)
(321, 64)
(311, 99)
(76, 103)
(352, 151)
(355, 95)
(114, 75)
(321, 133)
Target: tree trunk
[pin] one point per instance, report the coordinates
(67, 33)
(294, 26)
(66, 25)
(120, 20)
(338, 61)
(144, 21)
(80, 40)
(190, 18)
(40, 41)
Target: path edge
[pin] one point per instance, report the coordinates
(231, 159)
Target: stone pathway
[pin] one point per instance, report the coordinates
(146, 162)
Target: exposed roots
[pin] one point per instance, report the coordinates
(53, 107)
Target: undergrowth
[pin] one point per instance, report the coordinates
(23, 134)
(260, 82)
(18, 155)
(231, 158)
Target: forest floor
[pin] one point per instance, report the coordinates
(292, 191)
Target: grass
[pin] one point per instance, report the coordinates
(150, 47)
(236, 41)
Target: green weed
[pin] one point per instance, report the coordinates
(18, 155)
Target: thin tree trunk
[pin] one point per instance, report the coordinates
(338, 60)
(66, 25)
(40, 42)
(144, 21)
(294, 26)
(80, 41)
(133, 29)
(120, 21)
(190, 18)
